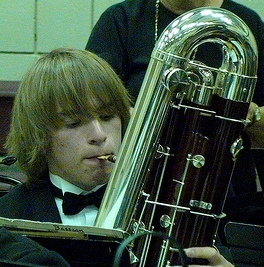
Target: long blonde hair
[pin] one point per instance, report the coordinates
(77, 80)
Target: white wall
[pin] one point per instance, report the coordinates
(256, 5)
(31, 27)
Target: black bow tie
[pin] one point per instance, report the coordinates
(73, 203)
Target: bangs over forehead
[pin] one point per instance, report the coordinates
(86, 85)
(76, 82)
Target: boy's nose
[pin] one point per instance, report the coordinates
(96, 133)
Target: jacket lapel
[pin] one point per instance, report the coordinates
(41, 205)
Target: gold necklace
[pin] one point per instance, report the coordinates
(156, 19)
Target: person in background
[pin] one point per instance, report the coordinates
(126, 33)
(70, 109)
(125, 36)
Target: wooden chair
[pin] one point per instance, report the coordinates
(7, 93)
(8, 177)
(6, 183)
(6, 104)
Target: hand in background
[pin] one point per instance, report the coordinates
(256, 129)
(211, 254)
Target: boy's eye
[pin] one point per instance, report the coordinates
(106, 117)
(72, 124)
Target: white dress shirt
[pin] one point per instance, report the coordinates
(87, 216)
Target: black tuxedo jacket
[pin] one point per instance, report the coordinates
(16, 250)
(32, 202)
(37, 203)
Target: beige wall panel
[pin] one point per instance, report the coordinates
(13, 66)
(257, 5)
(63, 23)
(17, 25)
(54, 23)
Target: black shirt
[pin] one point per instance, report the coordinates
(125, 37)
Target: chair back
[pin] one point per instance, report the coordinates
(246, 243)
(6, 183)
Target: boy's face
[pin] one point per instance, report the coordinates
(76, 145)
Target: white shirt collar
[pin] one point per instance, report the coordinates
(64, 185)
(87, 216)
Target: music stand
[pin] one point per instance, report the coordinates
(246, 244)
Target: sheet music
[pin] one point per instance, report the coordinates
(49, 229)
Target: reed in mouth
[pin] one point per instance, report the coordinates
(110, 157)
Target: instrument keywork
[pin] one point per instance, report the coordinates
(176, 160)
